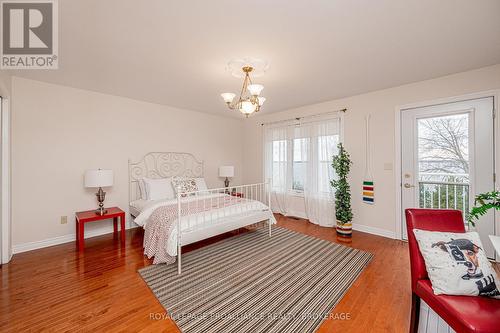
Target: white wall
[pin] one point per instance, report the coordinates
(379, 218)
(59, 132)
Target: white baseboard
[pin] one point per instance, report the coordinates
(19, 248)
(355, 226)
(374, 231)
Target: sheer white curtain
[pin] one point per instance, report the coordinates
(319, 197)
(277, 167)
(298, 160)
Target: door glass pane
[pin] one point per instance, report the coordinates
(443, 162)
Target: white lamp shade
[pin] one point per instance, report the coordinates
(98, 178)
(255, 89)
(226, 171)
(261, 100)
(228, 97)
(247, 107)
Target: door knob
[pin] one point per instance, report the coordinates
(407, 185)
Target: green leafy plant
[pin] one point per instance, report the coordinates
(342, 165)
(482, 204)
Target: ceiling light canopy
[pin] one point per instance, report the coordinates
(259, 66)
(249, 100)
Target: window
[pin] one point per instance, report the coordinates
(444, 162)
(298, 157)
(299, 166)
(279, 152)
(327, 148)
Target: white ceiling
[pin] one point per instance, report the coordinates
(175, 52)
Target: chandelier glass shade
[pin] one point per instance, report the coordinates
(249, 100)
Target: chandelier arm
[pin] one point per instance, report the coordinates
(245, 85)
(253, 99)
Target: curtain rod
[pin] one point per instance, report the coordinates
(344, 110)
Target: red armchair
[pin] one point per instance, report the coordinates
(463, 313)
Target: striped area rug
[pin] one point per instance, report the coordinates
(252, 283)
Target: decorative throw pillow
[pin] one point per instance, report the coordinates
(184, 184)
(456, 264)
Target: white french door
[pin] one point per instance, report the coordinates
(447, 157)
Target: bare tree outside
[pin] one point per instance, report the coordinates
(443, 144)
(443, 162)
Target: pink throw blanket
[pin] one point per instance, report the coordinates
(160, 223)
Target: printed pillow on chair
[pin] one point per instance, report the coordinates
(456, 264)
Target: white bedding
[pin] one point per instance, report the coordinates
(200, 220)
(137, 206)
(140, 204)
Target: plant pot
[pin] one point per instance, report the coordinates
(344, 229)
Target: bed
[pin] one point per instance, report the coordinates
(190, 216)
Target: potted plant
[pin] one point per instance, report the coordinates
(482, 204)
(342, 165)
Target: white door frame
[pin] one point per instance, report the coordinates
(397, 140)
(5, 183)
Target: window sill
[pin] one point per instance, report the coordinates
(293, 193)
(300, 194)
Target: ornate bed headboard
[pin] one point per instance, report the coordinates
(162, 165)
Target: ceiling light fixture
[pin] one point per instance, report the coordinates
(249, 100)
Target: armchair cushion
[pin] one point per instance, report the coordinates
(462, 313)
(456, 264)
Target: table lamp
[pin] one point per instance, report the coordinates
(99, 178)
(226, 171)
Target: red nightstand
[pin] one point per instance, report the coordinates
(237, 194)
(90, 216)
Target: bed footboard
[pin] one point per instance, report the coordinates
(231, 208)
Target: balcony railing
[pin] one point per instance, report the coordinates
(444, 195)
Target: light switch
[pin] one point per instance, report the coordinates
(64, 219)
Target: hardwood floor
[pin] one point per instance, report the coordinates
(59, 289)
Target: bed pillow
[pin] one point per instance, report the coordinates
(201, 184)
(456, 264)
(184, 184)
(142, 189)
(157, 189)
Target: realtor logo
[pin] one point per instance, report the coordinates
(29, 34)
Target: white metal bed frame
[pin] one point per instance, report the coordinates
(161, 165)
(171, 164)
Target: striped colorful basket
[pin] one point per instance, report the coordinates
(344, 230)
